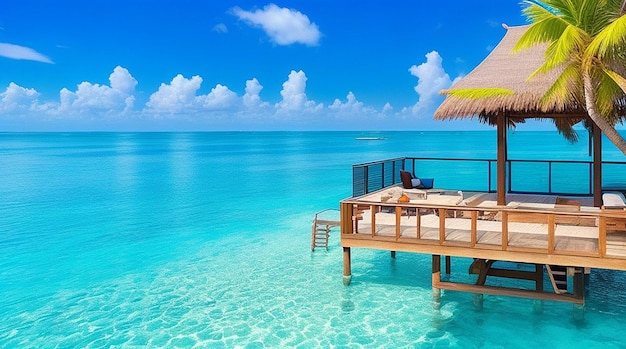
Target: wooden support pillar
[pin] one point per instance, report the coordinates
(436, 278)
(478, 299)
(448, 265)
(393, 254)
(578, 290)
(578, 282)
(347, 269)
(538, 303)
(597, 166)
(501, 121)
(539, 277)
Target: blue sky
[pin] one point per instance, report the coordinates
(143, 65)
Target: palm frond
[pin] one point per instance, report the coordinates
(568, 10)
(597, 14)
(536, 11)
(609, 41)
(566, 88)
(565, 126)
(617, 79)
(479, 93)
(607, 90)
(565, 49)
(547, 30)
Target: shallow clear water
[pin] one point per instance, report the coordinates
(203, 239)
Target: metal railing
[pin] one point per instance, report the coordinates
(566, 177)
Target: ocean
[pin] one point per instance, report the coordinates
(181, 240)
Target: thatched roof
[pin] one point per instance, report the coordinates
(505, 70)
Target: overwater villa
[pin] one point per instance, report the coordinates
(559, 233)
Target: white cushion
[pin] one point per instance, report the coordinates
(415, 182)
(613, 199)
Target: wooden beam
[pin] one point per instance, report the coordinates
(347, 268)
(442, 225)
(418, 218)
(436, 278)
(551, 231)
(602, 236)
(473, 237)
(548, 115)
(505, 230)
(501, 160)
(398, 216)
(511, 292)
(597, 166)
(347, 224)
(539, 277)
(488, 252)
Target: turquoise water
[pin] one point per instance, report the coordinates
(203, 239)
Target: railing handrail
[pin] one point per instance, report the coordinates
(374, 180)
(376, 162)
(600, 218)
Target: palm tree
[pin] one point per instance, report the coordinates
(586, 39)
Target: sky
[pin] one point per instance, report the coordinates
(202, 65)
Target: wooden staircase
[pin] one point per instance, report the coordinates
(321, 229)
(558, 277)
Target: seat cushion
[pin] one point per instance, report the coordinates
(427, 183)
(406, 177)
(613, 200)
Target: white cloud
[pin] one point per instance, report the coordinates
(294, 98)
(115, 98)
(251, 98)
(220, 28)
(220, 97)
(387, 108)
(176, 96)
(122, 81)
(23, 53)
(16, 97)
(432, 78)
(351, 105)
(179, 96)
(284, 26)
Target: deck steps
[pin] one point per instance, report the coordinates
(320, 232)
(558, 277)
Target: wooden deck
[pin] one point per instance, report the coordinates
(534, 229)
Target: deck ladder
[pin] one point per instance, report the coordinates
(321, 230)
(558, 277)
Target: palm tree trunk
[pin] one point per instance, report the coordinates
(608, 129)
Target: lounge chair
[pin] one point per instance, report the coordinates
(613, 200)
(410, 182)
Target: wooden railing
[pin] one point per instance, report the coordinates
(565, 177)
(591, 238)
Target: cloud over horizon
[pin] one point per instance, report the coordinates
(179, 99)
(118, 97)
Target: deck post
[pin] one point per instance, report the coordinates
(538, 303)
(477, 299)
(579, 291)
(347, 269)
(393, 254)
(436, 278)
(597, 166)
(448, 265)
(501, 124)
